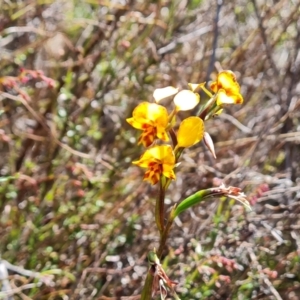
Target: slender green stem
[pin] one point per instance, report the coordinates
(159, 219)
(173, 137)
(147, 289)
(160, 206)
(164, 237)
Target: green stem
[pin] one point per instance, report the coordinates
(147, 289)
(164, 237)
(160, 206)
(173, 137)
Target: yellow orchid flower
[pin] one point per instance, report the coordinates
(152, 118)
(227, 88)
(159, 160)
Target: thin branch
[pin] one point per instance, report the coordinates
(235, 122)
(264, 36)
(284, 137)
(184, 39)
(215, 40)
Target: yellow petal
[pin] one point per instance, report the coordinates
(186, 100)
(190, 132)
(162, 133)
(222, 98)
(164, 153)
(148, 113)
(237, 98)
(145, 160)
(134, 123)
(160, 154)
(168, 171)
(163, 93)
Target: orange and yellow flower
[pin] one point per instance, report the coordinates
(152, 118)
(227, 89)
(159, 160)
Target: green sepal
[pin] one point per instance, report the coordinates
(152, 258)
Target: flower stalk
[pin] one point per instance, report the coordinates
(160, 207)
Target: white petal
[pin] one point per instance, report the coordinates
(163, 93)
(186, 100)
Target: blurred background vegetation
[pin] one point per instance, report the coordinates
(74, 211)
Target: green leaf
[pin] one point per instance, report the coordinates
(222, 190)
(192, 200)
